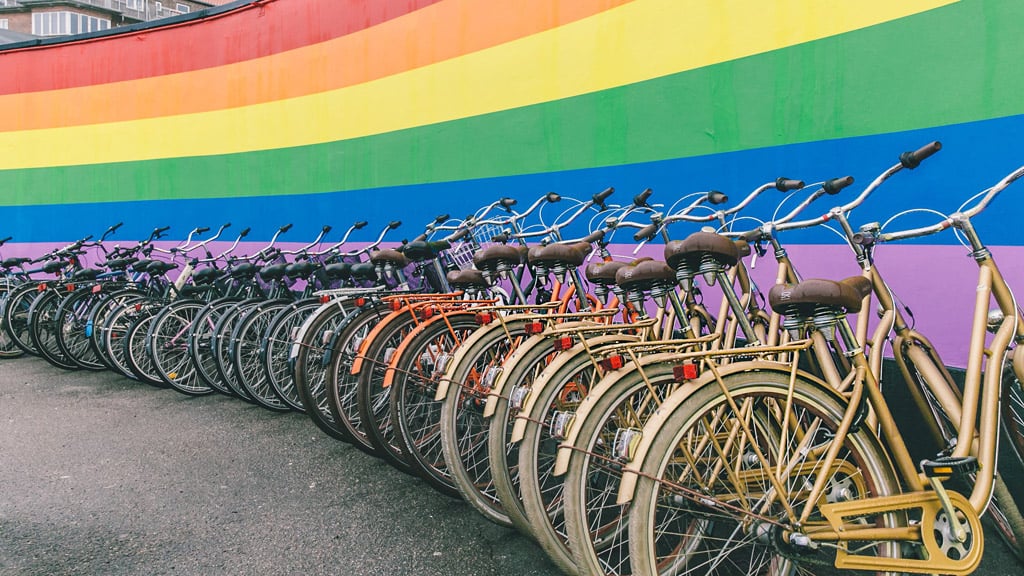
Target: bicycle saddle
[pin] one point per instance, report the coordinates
(491, 257)
(603, 273)
(802, 298)
(388, 255)
(568, 254)
(206, 275)
(687, 253)
(340, 270)
(300, 269)
(422, 250)
(86, 274)
(645, 274)
(120, 263)
(273, 271)
(466, 279)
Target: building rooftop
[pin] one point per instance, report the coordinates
(9, 36)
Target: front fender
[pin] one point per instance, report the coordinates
(627, 486)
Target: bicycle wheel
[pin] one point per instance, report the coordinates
(339, 385)
(200, 343)
(97, 322)
(536, 386)
(168, 345)
(72, 323)
(721, 491)
(135, 349)
(115, 333)
(373, 399)
(576, 518)
(311, 359)
(222, 342)
(16, 322)
(416, 415)
(463, 427)
(276, 347)
(246, 338)
(43, 329)
(8, 347)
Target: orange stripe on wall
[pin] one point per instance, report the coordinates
(436, 33)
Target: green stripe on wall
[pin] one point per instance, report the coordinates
(951, 65)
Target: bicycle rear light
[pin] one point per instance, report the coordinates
(563, 343)
(613, 362)
(684, 372)
(483, 318)
(533, 328)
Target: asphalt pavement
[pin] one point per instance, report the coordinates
(101, 475)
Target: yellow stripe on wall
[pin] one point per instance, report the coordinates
(628, 44)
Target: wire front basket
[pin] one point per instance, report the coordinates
(461, 254)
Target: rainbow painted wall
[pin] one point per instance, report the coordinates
(327, 111)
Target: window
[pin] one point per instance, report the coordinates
(63, 23)
(183, 8)
(4, 24)
(134, 4)
(159, 8)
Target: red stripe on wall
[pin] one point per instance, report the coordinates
(252, 31)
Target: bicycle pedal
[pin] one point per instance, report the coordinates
(949, 466)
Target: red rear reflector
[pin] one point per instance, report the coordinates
(395, 305)
(684, 372)
(325, 299)
(563, 343)
(426, 313)
(138, 307)
(533, 327)
(360, 301)
(69, 287)
(484, 318)
(613, 362)
(41, 288)
(97, 289)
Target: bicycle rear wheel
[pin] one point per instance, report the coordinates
(276, 347)
(8, 348)
(72, 324)
(16, 320)
(246, 338)
(43, 329)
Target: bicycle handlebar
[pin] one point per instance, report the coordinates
(868, 238)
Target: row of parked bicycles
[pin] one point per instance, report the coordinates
(603, 407)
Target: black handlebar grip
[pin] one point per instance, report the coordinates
(244, 233)
(715, 197)
(116, 226)
(459, 234)
(603, 195)
(420, 238)
(84, 240)
(640, 200)
(911, 160)
(225, 225)
(159, 231)
(284, 228)
(507, 202)
(834, 185)
(203, 229)
(646, 233)
(502, 238)
(787, 184)
(394, 224)
(441, 218)
(594, 236)
(326, 229)
(6, 240)
(553, 197)
(360, 225)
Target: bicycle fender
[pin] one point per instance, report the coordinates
(537, 391)
(509, 322)
(627, 487)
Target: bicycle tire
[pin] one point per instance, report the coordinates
(200, 338)
(247, 337)
(16, 322)
(672, 531)
(167, 341)
(8, 347)
(97, 322)
(339, 386)
(136, 351)
(415, 414)
(463, 427)
(72, 321)
(221, 344)
(310, 359)
(43, 329)
(374, 400)
(276, 348)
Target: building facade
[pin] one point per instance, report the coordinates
(49, 18)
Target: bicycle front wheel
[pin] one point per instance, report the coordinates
(727, 478)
